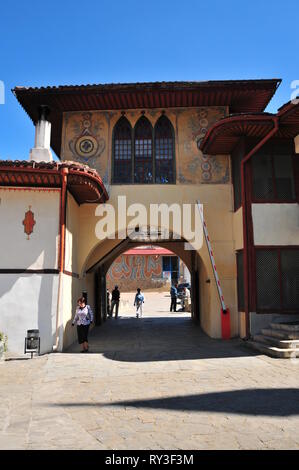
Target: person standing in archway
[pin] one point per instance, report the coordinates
(115, 301)
(139, 300)
(173, 295)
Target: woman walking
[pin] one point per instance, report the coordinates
(83, 318)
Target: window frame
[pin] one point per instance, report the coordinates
(173, 149)
(113, 151)
(276, 200)
(153, 127)
(278, 249)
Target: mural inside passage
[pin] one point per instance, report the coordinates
(87, 138)
(136, 267)
(132, 271)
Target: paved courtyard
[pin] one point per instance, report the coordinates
(151, 383)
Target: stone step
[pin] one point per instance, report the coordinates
(279, 343)
(287, 326)
(272, 351)
(280, 333)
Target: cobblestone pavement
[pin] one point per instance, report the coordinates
(151, 383)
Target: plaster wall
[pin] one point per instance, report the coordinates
(28, 301)
(275, 224)
(40, 249)
(219, 217)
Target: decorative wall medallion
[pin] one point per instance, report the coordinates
(29, 222)
(87, 144)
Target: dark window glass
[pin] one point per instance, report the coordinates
(284, 181)
(240, 281)
(236, 174)
(166, 263)
(143, 169)
(273, 177)
(263, 187)
(267, 279)
(164, 151)
(122, 152)
(290, 278)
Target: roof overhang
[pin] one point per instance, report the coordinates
(239, 95)
(224, 135)
(84, 184)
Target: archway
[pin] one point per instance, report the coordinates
(104, 255)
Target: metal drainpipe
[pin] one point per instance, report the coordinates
(64, 173)
(245, 215)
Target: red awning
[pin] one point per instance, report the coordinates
(223, 136)
(83, 183)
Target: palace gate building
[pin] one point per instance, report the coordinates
(152, 143)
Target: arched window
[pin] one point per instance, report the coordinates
(122, 152)
(151, 159)
(164, 151)
(143, 165)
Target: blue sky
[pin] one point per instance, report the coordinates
(104, 41)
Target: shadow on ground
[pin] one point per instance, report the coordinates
(164, 338)
(262, 402)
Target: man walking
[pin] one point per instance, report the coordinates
(139, 300)
(115, 301)
(173, 295)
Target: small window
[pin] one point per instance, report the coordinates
(122, 170)
(164, 151)
(143, 169)
(273, 177)
(277, 277)
(267, 278)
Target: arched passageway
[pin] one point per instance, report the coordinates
(98, 266)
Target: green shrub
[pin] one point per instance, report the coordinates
(3, 338)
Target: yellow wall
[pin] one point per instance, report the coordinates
(219, 217)
(198, 177)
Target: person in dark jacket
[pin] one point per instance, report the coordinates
(115, 301)
(173, 295)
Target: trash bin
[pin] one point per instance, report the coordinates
(32, 342)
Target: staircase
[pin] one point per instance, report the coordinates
(278, 340)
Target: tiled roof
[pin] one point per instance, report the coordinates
(238, 95)
(84, 183)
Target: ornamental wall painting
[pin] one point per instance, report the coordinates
(135, 267)
(193, 166)
(85, 140)
(29, 222)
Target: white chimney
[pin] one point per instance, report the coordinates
(41, 151)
